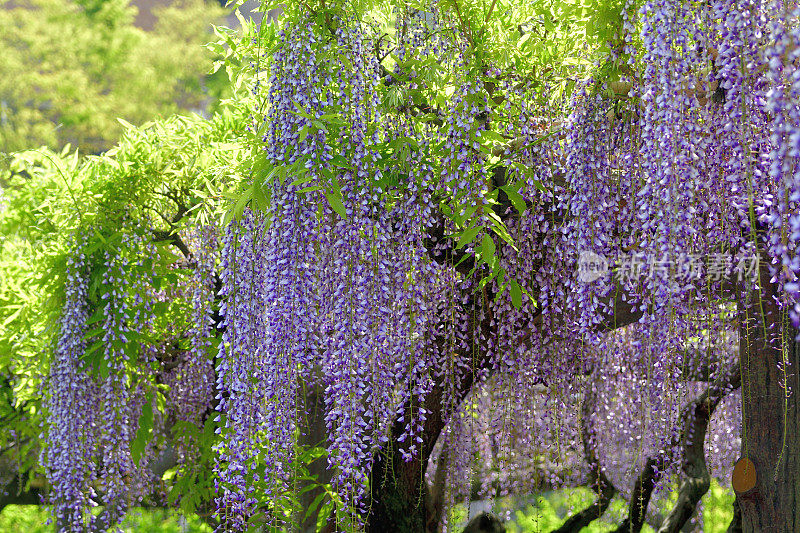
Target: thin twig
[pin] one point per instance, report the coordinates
(461, 23)
(489, 13)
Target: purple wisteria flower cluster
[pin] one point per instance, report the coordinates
(98, 407)
(70, 404)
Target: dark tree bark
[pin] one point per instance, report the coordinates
(401, 501)
(694, 417)
(736, 523)
(17, 492)
(400, 496)
(640, 497)
(697, 480)
(315, 434)
(770, 424)
(435, 502)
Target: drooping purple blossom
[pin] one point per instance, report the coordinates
(71, 435)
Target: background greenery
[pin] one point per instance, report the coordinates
(69, 69)
(32, 519)
(546, 512)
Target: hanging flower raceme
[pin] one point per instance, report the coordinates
(70, 404)
(348, 289)
(116, 426)
(367, 334)
(678, 156)
(289, 317)
(97, 389)
(268, 315)
(783, 102)
(239, 370)
(742, 85)
(589, 183)
(192, 382)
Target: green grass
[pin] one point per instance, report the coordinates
(545, 514)
(718, 508)
(33, 519)
(548, 511)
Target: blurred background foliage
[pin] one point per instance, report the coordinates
(33, 519)
(70, 68)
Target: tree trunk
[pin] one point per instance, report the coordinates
(314, 434)
(696, 482)
(770, 432)
(400, 496)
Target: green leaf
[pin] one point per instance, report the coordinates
(467, 236)
(516, 293)
(143, 432)
(301, 111)
(468, 212)
(91, 333)
(340, 161)
(324, 512)
(487, 249)
(312, 454)
(244, 199)
(90, 351)
(336, 204)
(302, 180)
(313, 507)
(96, 317)
(490, 136)
(516, 198)
(262, 199)
(125, 124)
(319, 125)
(500, 228)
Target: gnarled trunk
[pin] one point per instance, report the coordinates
(770, 431)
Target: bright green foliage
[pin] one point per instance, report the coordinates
(35, 207)
(31, 519)
(551, 508)
(156, 172)
(70, 68)
(717, 508)
(163, 176)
